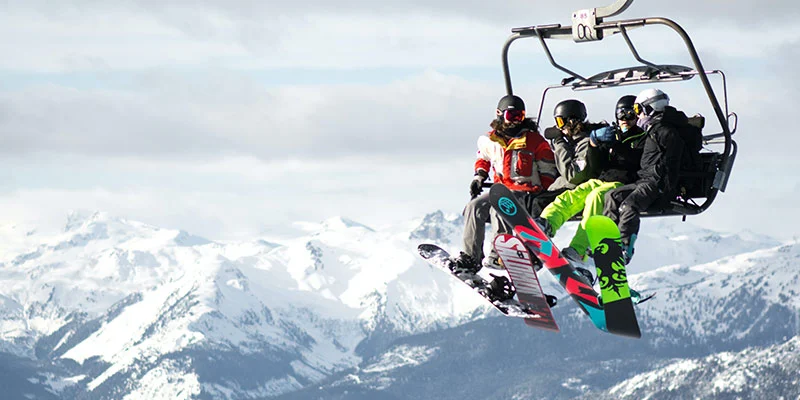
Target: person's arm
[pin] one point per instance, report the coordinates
(545, 160)
(489, 153)
(565, 158)
(588, 159)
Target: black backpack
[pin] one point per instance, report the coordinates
(692, 178)
(692, 135)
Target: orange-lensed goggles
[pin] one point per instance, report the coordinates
(561, 122)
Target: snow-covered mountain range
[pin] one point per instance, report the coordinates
(111, 308)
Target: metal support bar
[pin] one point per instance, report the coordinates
(553, 61)
(635, 52)
(506, 71)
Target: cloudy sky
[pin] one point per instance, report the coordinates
(233, 119)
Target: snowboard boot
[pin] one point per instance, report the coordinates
(545, 225)
(493, 263)
(577, 262)
(572, 255)
(635, 296)
(627, 248)
(500, 289)
(464, 264)
(586, 274)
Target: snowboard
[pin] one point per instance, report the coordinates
(440, 258)
(519, 264)
(604, 240)
(525, 228)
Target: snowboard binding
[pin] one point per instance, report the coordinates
(500, 288)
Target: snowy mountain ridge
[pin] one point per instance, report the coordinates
(135, 310)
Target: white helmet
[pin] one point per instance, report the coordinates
(651, 100)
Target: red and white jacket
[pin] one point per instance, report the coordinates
(522, 164)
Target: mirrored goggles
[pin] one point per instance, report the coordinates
(512, 115)
(626, 114)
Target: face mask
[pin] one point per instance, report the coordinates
(644, 122)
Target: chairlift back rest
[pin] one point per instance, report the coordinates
(698, 169)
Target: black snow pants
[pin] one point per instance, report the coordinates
(625, 204)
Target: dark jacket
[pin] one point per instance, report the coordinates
(624, 157)
(661, 158)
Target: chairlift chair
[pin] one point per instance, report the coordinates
(591, 25)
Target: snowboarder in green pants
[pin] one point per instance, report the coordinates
(622, 144)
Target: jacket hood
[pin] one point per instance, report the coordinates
(672, 116)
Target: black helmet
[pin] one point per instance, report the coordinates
(511, 102)
(624, 108)
(626, 101)
(570, 109)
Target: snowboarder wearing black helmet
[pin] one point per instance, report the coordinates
(576, 161)
(660, 164)
(621, 146)
(521, 159)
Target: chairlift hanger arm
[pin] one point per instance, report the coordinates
(614, 9)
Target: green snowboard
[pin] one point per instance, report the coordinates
(604, 239)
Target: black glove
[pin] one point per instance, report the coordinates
(553, 133)
(476, 186)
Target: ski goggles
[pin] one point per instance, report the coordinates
(513, 115)
(626, 114)
(638, 108)
(561, 122)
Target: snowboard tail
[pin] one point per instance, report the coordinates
(607, 252)
(519, 265)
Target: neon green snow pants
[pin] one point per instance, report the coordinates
(587, 196)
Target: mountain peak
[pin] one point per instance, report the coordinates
(342, 223)
(438, 227)
(81, 218)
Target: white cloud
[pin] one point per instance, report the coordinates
(234, 197)
(167, 115)
(182, 114)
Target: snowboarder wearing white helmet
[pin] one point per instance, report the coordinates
(658, 173)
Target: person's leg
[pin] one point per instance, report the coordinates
(499, 225)
(593, 205)
(613, 200)
(645, 194)
(476, 215)
(568, 204)
(542, 200)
